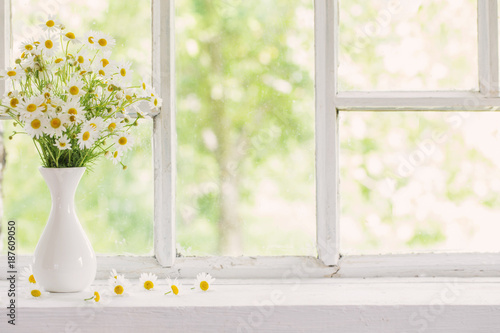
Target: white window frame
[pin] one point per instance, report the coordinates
(329, 102)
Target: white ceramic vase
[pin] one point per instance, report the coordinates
(64, 260)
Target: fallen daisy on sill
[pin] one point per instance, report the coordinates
(96, 297)
(27, 274)
(148, 281)
(119, 286)
(203, 282)
(174, 287)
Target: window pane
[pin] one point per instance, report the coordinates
(115, 207)
(420, 181)
(408, 45)
(245, 122)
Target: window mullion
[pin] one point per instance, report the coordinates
(487, 18)
(327, 177)
(164, 133)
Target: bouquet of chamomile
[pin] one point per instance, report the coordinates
(76, 103)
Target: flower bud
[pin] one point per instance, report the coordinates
(18, 61)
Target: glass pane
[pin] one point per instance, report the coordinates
(408, 45)
(419, 182)
(245, 122)
(115, 207)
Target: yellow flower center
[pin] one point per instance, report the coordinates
(86, 136)
(11, 73)
(70, 35)
(35, 124)
(72, 119)
(103, 42)
(47, 95)
(101, 72)
(122, 141)
(72, 111)
(31, 279)
(143, 86)
(118, 290)
(36, 293)
(123, 72)
(14, 102)
(28, 47)
(155, 102)
(81, 59)
(74, 90)
(112, 127)
(31, 108)
(115, 155)
(93, 125)
(204, 285)
(62, 144)
(50, 23)
(128, 97)
(55, 123)
(91, 40)
(105, 62)
(49, 44)
(149, 285)
(97, 297)
(175, 290)
(58, 60)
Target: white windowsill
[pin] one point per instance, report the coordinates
(309, 305)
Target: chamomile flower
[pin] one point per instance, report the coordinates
(74, 110)
(155, 103)
(12, 99)
(50, 24)
(203, 281)
(27, 274)
(35, 290)
(86, 137)
(30, 107)
(102, 60)
(74, 88)
(148, 280)
(35, 126)
(49, 45)
(63, 143)
(119, 286)
(90, 40)
(55, 125)
(174, 287)
(70, 37)
(96, 297)
(104, 42)
(115, 157)
(13, 73)
(123, 142)
(59, 62)
(27, 46)
(113, 125)
(113, 274)
(123, 70)
(105, 72)
(82, 58)
(96, 123)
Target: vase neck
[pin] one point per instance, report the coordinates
(62, 183)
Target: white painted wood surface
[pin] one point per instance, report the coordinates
(5, 38)
(352, 305)
(327, 139)
(164, 131)
(292, 268)
(487, 17)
